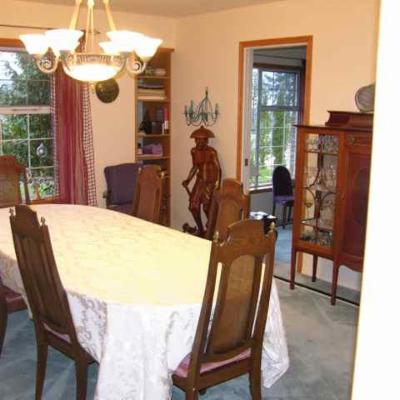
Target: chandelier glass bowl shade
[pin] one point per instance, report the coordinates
(124, 49)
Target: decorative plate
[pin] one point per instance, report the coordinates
(365, 98)
(107, 91)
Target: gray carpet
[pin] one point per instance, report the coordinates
(282, 269)
(321, 342)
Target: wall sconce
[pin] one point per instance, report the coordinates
(203, 114)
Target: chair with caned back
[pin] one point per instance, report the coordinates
(12, 177)
(229, 204)
(148, 200)
(229, 336)
(46, 296)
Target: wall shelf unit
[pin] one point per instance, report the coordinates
(153, 124)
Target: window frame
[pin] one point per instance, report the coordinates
(17, 45)
(300, 108)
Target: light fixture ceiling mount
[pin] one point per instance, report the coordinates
(124, 49)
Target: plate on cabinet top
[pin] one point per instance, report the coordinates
(365, 98)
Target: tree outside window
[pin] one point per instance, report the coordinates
(25, 119)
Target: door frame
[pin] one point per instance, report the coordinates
(306, 41)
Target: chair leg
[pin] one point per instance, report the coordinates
(293, 268)
(284, 209)
(255, 383)
(314, 268)
(40, 369)
(81, 372)
(289, 214)
(335, 277)
(273, 207)
(3, 321)
(191, 394)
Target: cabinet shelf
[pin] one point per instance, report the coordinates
(154, 77)
(324, 153)
(313, 222)
(152, 99)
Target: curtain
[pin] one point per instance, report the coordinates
(74, 152)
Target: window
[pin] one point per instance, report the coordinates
(276, 107)
(25, 119)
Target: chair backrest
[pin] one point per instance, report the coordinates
(229, 204)
(246, 260)
(282, 182)
(121, 183)
(149, 194)
(11, 175)
(46, 295)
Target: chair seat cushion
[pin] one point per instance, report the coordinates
(182, 370)
(284, 199)
(14, 300)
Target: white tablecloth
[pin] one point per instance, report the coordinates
(135, 290)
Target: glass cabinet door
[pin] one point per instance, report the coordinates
(319, 188)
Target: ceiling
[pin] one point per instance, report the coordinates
(170, 8)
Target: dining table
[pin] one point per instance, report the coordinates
(135, 290)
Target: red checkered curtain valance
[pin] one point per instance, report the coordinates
(74, 152)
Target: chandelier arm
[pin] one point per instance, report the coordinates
(75, 16)
(110, 18)
(47, 65)
(135, 66)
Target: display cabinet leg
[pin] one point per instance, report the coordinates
(335, 277)
(314, 268)
(293, 268)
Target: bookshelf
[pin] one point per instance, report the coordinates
(153, 124)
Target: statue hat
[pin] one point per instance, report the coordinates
(202, 133)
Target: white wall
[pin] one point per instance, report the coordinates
(113, 124)
(376, 374)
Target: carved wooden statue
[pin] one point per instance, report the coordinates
(207, 171)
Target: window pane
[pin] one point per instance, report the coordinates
(42, 181)
(40, 126)
(41, 153)
(13, 127)
(38, 93)
(13, 93)
(17, 148)
(279, 89)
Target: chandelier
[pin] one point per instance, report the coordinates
(203, 114)
(132, 50)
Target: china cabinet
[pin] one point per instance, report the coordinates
(331, 194)
(153, 127)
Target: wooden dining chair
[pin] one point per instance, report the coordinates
(229, 204)
(46, 296)
(12, 176)
(149, 194)
(229, 338)
(282, 193)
